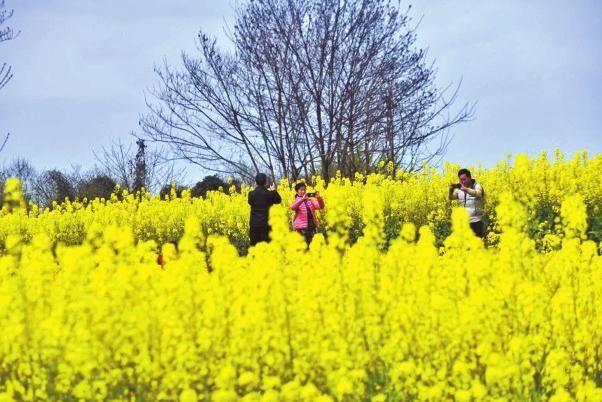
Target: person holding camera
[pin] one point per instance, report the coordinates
(470, 195)
(305, 205)
(261, 199)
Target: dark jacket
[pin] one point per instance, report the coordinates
(260, 200)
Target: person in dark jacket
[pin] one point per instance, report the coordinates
(260, 200)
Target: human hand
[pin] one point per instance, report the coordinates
(273, 187)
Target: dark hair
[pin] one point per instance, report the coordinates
(464, 171)
(261, 179)
(299, 185)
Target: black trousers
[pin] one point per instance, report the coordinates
(258, 234)
(308, 234)
(477, 228)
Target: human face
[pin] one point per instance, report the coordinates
(464, 180)
(301, 191)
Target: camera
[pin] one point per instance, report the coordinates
(310, 195)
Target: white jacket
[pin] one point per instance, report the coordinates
(472, 203)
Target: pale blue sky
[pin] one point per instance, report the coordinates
(82, 68)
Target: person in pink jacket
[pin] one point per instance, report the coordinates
(305, 204)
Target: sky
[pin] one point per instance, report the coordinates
(82, 69)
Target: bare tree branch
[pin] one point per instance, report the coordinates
(119, 162)
(6, 33)
(312, 86)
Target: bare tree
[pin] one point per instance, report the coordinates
(312, 86)
(43, 188)
(24, 171)
(76, 183)
(148, 168)
(6, 33)
(53, 185)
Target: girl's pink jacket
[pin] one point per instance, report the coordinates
(300, 221)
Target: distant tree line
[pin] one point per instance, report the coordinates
(117, 165)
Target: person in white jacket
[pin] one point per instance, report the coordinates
(470, 195)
